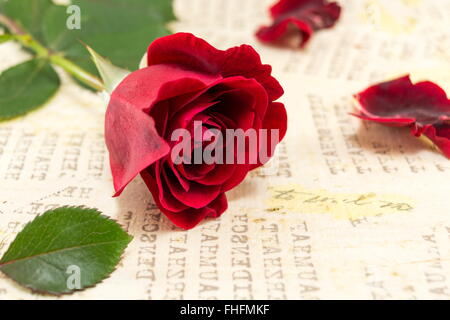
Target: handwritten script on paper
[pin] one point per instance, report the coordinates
(339, 205)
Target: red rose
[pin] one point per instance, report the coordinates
(188, 81)
(303, 16)
(423, 107)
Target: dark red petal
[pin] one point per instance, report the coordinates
(424, 107)
(132, 141)
(130, 134)
(274, 33)
(197, 196)
(275, 119)
(239, 174)
(192, 53)
(186, 113)
(165, 197)
(244, 102)
(185, 184)
(145, 87)
(245, 61)
(219, 175)
(401, 102)
(219, 205)
(241, 100)
(188, 218)
(286, 6)
(306, 15)
(440, 135)
(394, 122)
(193, 171)
(172, 107)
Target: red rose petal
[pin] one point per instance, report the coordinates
(402, 101)
(275, 119)
(240, 172)
(185, 115)
(166, 198)
(185, 184)
(307, 16)
(191, 217)
(274, 33)
(424, 107)
(220, 204)
(184, 49)
(172, 106)
(394, 122)
(194, 172)
(440, 136)
(197, 196)
(219, 175)
(245, 61)
(244, 102)
(128, 157)
(131, 137)
(188, 218)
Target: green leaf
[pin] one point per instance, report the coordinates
(111, 75)
(6, 38)
(26, 87)
(62, 244)
(28, 14)
(118, 29)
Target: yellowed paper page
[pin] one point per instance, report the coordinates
(347, 209)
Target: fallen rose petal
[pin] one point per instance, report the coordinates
(440, 136)
(302, 17)
(423, 107)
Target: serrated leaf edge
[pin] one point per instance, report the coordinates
(107, 275)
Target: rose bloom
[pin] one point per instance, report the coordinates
(186, 81)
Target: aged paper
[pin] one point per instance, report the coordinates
(347, 210)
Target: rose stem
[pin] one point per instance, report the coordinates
(29, 42)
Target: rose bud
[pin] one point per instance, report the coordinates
(190, 89)
(423, 107)
(299, 18)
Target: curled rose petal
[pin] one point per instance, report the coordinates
(132, 149)
(184, 50)
(440, 135)
(189, 217)
(299, 17)
(185, 102)
(423, 107)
